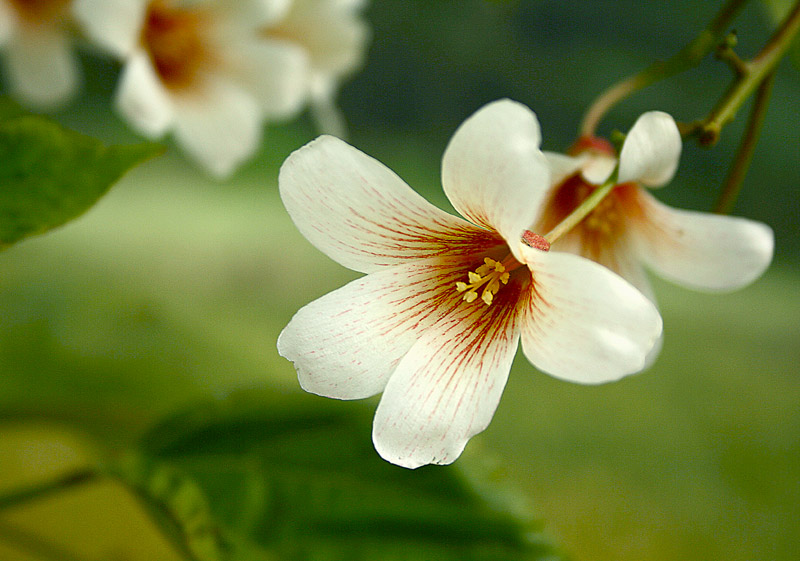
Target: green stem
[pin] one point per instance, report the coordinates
(755, 72)
(733, 183)
(688, 57)
(582, 210)
(19, 496)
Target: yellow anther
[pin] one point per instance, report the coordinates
(489, 275)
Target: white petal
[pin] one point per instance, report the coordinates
(253, 13)
(651, 150)
(622, 258)
(333, 35)
(113, 24)
(41, 66)
(562, 166)
(349, 4)
(142, 98)
(219, 127)
(627, 265)
(493, 171)
(275, 72)
(346, 344)
(359, 213)
(702, 250)
(598, 168)
(584, 323)
(446, 389)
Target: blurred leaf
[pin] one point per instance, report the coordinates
(777, 10)
(177, 503)
(57, 503)
(51, 175)
(9, 109)
(296, 477)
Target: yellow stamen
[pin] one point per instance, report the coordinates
(489, 275)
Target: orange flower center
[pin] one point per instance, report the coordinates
(490, 277)
(175, 39)
(602, 227)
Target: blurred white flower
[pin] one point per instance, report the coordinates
(333, 36)
(630, 228)
(37, 51)
(202, 69)
(437, 319)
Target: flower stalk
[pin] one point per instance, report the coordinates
(688, 57)
(751, 75)
(744, 155)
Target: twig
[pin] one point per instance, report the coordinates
(688, 57)
(741, 162)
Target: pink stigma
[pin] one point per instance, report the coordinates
(535, 241)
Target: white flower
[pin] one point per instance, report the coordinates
(201, 69)
(436, 321)
(630, 228)
(333, 36)
(41, 67)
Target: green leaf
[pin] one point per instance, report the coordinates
(176, 503)
(9, 109)
(295, 478)
(50, 175)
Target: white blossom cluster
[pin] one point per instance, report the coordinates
(211, 72)
(435, 323)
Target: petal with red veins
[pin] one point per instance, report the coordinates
(493, 171)
(362, 215)
(347, 343)
(702, 250)
(446, 388)
(651, 150)
(583, 323)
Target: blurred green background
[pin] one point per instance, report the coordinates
(174, 288)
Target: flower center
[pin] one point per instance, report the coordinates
(493, 274)
(39, 11)
(489, 276)
(605, 219)
(174, 38)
